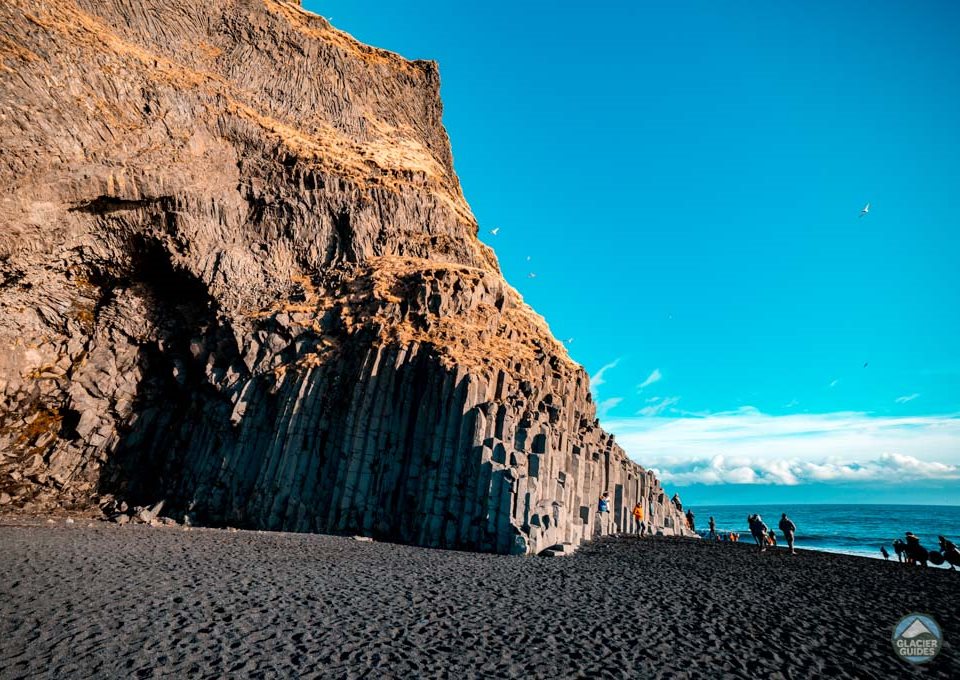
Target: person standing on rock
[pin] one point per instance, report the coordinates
(690, 518)
(789, 529)
(638, 517)
(604, 503)
(603, 508)
(676, 501)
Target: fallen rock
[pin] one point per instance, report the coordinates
(148, 515)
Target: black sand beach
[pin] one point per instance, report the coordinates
(110, 602)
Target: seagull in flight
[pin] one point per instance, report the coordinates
(493, 232)
(865, 211)
(531, 275)
(866, 363)
(569, 340)
(528, 258)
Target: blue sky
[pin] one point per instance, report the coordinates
(687, 179)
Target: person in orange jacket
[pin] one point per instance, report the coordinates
(638, 516)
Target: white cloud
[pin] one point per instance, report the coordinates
(657, 406)
(597, 378)
(652, 378)
(906, 398)
(886, 467)
(749, 447)
(604, 406)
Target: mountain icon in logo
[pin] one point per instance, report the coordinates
(916, 628)
(917, 638)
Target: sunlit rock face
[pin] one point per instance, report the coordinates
(238, 274)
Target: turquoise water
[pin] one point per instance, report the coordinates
(853, 529)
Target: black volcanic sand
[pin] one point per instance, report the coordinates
(104, 601)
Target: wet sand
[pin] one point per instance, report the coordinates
(143, 602)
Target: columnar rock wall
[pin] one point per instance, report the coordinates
(237, 274)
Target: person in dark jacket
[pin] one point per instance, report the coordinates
(883, 551)
(789, 529)
(713, 529)
(690, 520)
(759, 531)
(916, 553)
(950, 553)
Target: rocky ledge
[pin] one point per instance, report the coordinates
(238, 276)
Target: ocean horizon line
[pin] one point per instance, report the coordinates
(811, 505)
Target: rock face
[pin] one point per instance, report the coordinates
(238, 275)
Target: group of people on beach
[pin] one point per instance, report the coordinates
(908, 550)
(762, 535)
(913, 553)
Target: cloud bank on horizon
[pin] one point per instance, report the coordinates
(754, 448)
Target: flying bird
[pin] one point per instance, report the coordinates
(528, 258)
(493, 232)
(866, 363)
(569, 340)
(866, 209)
(531, 275)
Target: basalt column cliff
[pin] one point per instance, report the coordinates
(237, 274)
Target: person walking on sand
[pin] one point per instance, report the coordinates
(789, 529)
(713, 529)
(883, 551)
(916, 553)
(759, 531)
(638, 517)
(900, 548)
(950, 553)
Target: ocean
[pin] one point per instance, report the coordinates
(851, 529)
